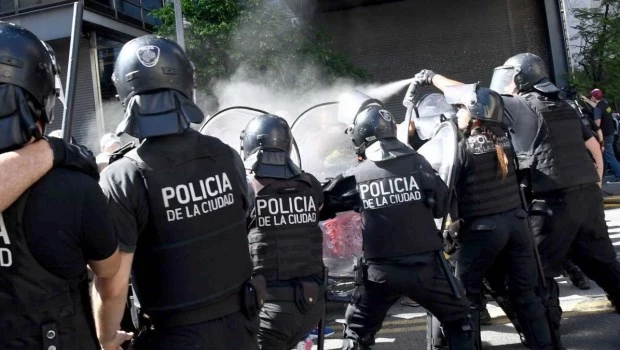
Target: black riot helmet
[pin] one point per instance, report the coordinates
(26, 62)
(527, 71)
(27, 86)
(370, 125)
(154, 79)
(483, 103)
(149, 63)
(266, 132)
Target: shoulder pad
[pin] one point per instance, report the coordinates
(120, 153)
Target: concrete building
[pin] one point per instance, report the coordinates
(464, 39)
(107, 25)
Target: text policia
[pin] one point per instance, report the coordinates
(285, 211)
(389, 191)
(208, 195)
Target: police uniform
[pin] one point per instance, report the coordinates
(495, 234)
(286, 242)
(563, 179)
(44, 249)
(286, 245)
(179, 203)
(399, 195)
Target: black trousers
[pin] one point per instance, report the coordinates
(576, 230)
(234, 331)
(502, 245)
(423, 281)
(283, 324)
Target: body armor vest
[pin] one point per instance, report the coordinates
(39, 309)
(481, 190)
(396, 216)
(194, 251)
(558, 159)
(286, 241)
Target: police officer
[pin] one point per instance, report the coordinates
(45, 249)
(399, 195)
(494, 231)
(286, 242)
(547, 140)
(179, 204)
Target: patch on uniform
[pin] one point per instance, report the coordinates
(387, 116)
(148, 55)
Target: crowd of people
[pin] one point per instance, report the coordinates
(224, 249)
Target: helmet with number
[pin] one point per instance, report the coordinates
(266, 144)
(482, 103)
(27, 85)
(370, 125)
(154, 79)
(527, 71)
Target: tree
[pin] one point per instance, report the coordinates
(599, 57)
(258, 41)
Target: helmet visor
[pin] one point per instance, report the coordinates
(503, 80)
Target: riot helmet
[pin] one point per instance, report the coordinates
(149, 63)
(372, 124)
(482, 103)
(27, 85)
(266, 132)
(266, 144)
(154, 80)
(527, 71)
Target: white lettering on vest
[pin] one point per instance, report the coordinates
(6, 257)
(185, 201)
(282, 211)
(384, 192)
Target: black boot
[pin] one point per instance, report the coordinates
(576, 276)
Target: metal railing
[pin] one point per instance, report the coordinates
(133, 12)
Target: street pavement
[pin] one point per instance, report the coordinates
(588, 320)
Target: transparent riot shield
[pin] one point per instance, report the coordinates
(326, 152)
(441, 152)
(228, 124)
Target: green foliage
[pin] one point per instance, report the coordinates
(257, 41)
(599, 60)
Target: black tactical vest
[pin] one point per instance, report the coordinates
(559, 158)
(480, 188)
(397, 219)
(286, 241)
(194, 252)
(38, 308)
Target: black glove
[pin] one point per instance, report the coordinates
(450, 237)
(73, 156)
(425, 77)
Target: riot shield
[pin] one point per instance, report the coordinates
(441, 152)
(326, 152)
(228, 124)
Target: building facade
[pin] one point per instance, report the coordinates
(464, 39)
(391, 39)
(106, 26)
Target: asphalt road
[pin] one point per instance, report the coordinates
(588, 319)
